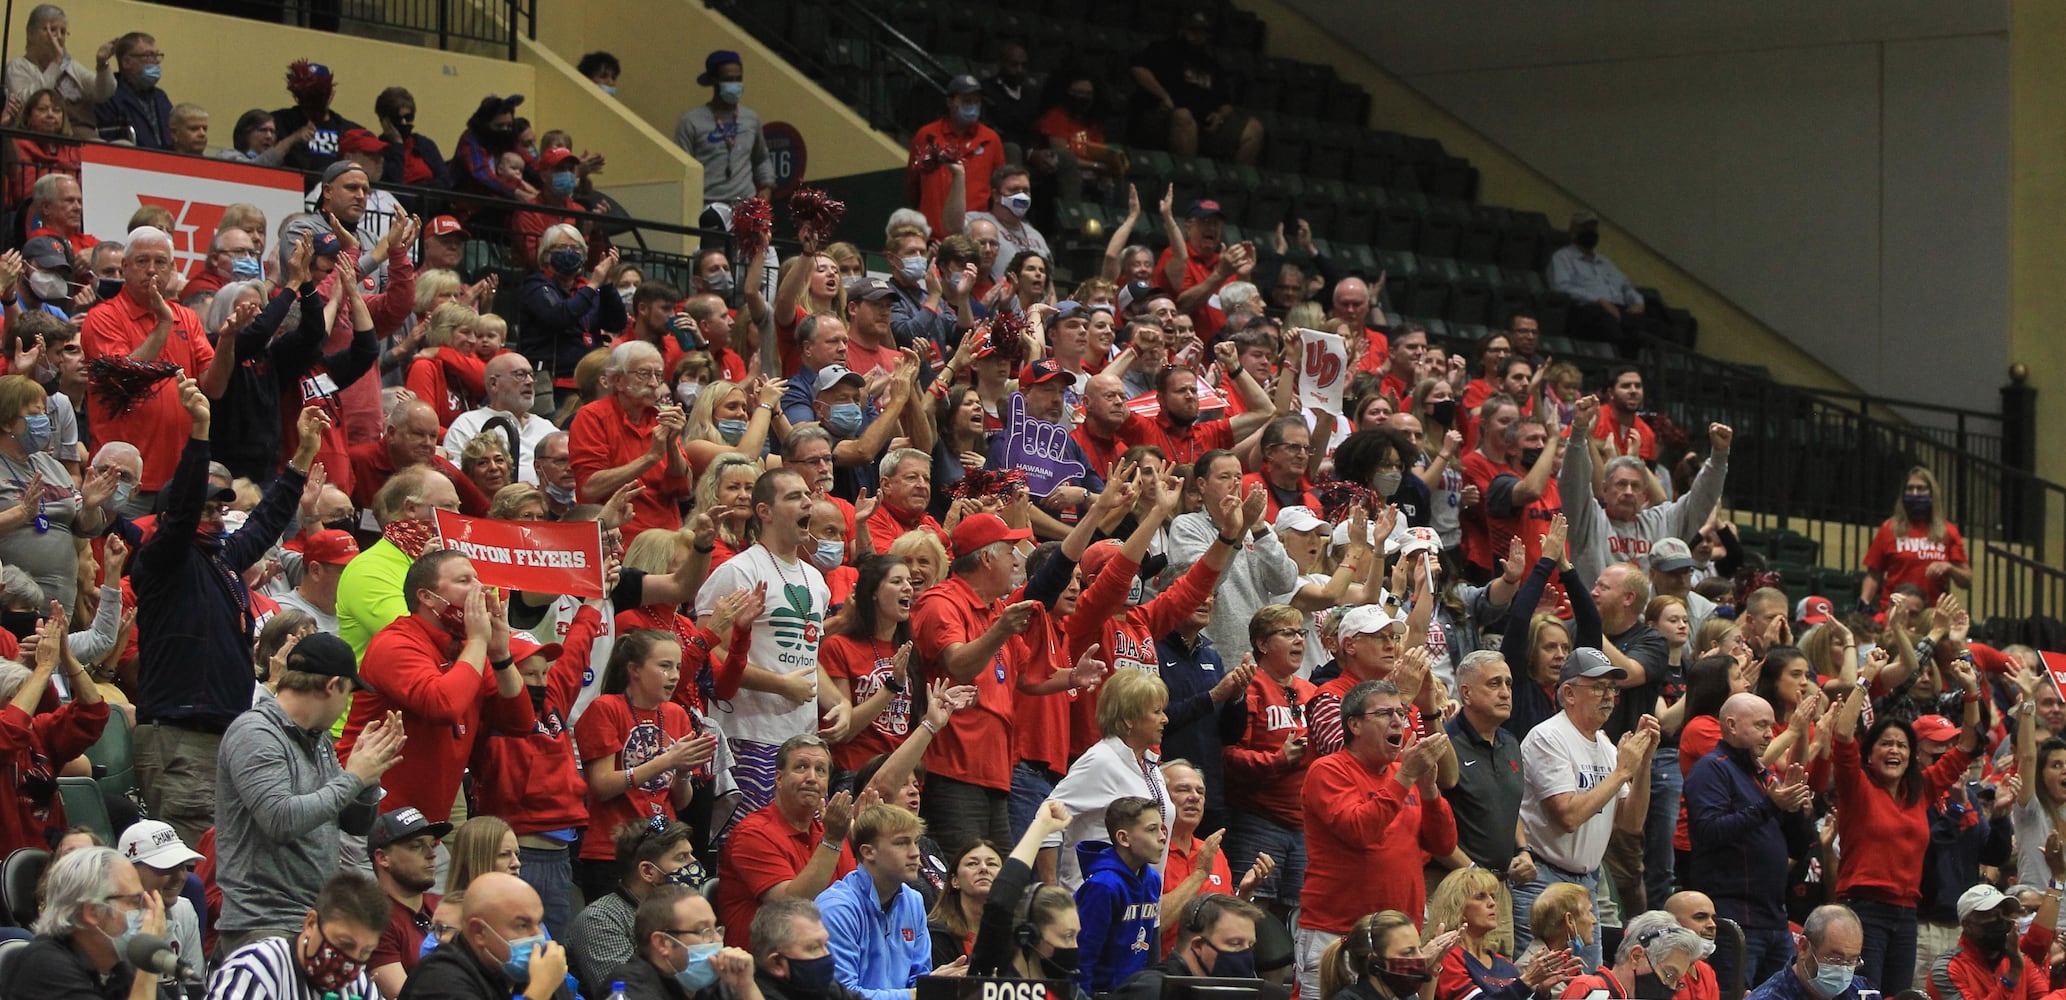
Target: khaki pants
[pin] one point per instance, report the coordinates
(1931, 941)
(176, 768)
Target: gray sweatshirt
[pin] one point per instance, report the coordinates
(734, 155)
(280, 800)
(1597, 542)
(1257, 574)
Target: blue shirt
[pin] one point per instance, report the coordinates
(797, 399)
(1740, 839)
(1198, 729)
(1590, 278)
(877, 953)
(1784, 985)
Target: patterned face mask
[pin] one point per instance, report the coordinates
(330, 969)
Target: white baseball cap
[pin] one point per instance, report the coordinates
(154, 844)
(1413, 540)
(1298, 518)
(1365, 619)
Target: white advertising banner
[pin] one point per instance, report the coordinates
(115, 181)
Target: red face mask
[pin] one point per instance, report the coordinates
(329, 969)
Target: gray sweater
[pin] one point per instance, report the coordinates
(1597, 543)
(280, 800)
(1259, 573)
(734, 155)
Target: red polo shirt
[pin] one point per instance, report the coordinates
(1181, 863)
(157, 425)
(763, 852)
(602, 436)
(372, 467)
(1608, 428)
(973, 747)
(885, 526)
(1183, 443)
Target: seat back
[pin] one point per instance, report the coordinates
(18, 877)
(113, 755)
(85, 807)
(8, 951)
(1728, 935)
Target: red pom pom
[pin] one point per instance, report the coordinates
(1336, 496)
(1008, 333)
(1002, 483)
(122, 381)
(753, 221)
(935, 155)
(817, 214)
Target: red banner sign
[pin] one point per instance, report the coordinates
(540, 557)
(2055, 665)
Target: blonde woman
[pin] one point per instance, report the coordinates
(724, 494)
(1916, 545)
(921, 550)
(734, 419)
(810, 284)
(1475, 902)
(448, 373)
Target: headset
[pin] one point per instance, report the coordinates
(1027, 935)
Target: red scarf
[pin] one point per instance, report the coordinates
(414, 536)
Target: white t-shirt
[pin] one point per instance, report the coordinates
(2033, 823)
(785, 641)
(1316, 656)
(1555, 759)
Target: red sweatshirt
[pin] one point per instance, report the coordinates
(696, 643)
(1258, 778)
(1878, 834)
(1367, 837)
(1700, 735)
(1040, 722)
(529, 777)
(410, 667)
(1972, 977)
(55, 737)
(1127, 635)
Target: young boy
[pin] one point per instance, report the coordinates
(1121, 895)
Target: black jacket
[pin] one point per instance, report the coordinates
(52, 968)
(775, 989)
(643, 981)
(192, 607)
(452, 972)
(557, 327)
(1147, 983)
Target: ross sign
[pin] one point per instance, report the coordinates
(786, 151)
(539, 557)
(115, 181)
(1039, 448)
(1323, 371)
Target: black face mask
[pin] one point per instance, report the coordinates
(1528, 457)
(21, 624)
(1444, 412)
(1648, 985)
(1994, 939)
(1064, 963)
(1081, 106)
(341, 524)
(498, 136)
(1587, 239)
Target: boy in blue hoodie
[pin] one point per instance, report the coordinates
(874, 922)
(1121, 896)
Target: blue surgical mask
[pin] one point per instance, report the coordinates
(731, 430)
(36, 436)
(1918, 504)
(518, 966)
(430, 944)
(845, 419)
(811, 976)
(129, 933)
(152, 73)
(730, 91)
(830, 553)
(1831, 978)
(564, 260)
(245, 268)
(107, 288)
(698, 973)
(911, 269)
(608, 88)
(1018, 203)
(563, 182)
(560, 494)
(968, 114)
(120, 497)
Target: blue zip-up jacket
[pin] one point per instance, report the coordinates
(1119, 908)
(877, 953)
(1740, 839)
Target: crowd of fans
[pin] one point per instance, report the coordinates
(1468, 690)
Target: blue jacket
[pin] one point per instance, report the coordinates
(875, 952)
(144, 116)
(557, 327)
(1962, 839)
(1784, 985)
(1740, 839)
(1198, 729)
(1119, 908)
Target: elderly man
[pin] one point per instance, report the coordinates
(194, 613)
(907, 487)
(189, 129)
(821, 340)
(140, 324)
(1287, 450)
(1641, 864)
(1373, 818)
(500, 950)
(633, 434)
(93, 904)
(232, 256)
(137, 112)
(672, 931)
(790, 848)
(510, 383)
(1624, 524)
(444, 244)
(1695, 912)
(346, 188)
(449, 667)
(1486, 791)
(323, 558)
(1745, 822)
(1578, 785)
(410, 438)
(1825, 963)
(45, 63)
(1352, 304)
(555, 473)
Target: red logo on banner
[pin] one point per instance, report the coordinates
(541, 557)
(193, 228)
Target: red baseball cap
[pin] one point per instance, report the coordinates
(522, 647)
(1814, 610)
(1043, 370)
(978, 530)
(358, 140)
(444, 225)
(331, 547)
(1935, 728)
(553, 157)
(1097, 556)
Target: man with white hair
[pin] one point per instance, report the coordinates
(55, 202)
(907, 486)
(140, 324)
(510, 385)
(1825, 965)
(1623, 525)
(93, 905)
(410, 437)
(633, 434)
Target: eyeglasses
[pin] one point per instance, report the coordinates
(1854, 961)
(1395, 714)
(705, 934)
(134, 899)
(1288, 446)
(646, 375)
(1286, 633)
(149, 57)
(1602, 687)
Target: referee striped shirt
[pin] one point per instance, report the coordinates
(267, 970)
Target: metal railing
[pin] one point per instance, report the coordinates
(468, 24)
(851, 50)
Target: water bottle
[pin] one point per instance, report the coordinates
(617, 991)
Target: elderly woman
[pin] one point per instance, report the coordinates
(518, 502)
(562, 315)
(1655, 956)
(448, 374)
(41, 511)
(486, 461)
(1131, 712)
(36, 745)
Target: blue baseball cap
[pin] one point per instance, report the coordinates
(713, 61)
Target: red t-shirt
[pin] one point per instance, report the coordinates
(1479, 471)
(402, 940)
(866, 664)
(1608, 428)
(981, 152)
(1057, 123)
(1197, 271)
(1040, 722)
(885, 527)
(157, 425)
(602, 436)
(1183, 443)
(1531, 522)
(1306, 497)
(614, 735)
(971, 747)
(763, 852)
(1906, 559)
(1367, 838)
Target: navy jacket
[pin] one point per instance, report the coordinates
(1198, 729)
(145, 116)
(1532, 705)
(1962, 839)
(1740, 839)
(1119, 909)
(557, 327)
(192, 607)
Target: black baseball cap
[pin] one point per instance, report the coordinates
(402, 824)
(325, 655)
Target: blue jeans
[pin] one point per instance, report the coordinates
(1524, 900)
(1248, 835)
(551, 873)
(1765, 951)
(1889, 950)
(1666, 784)
(1030, 786)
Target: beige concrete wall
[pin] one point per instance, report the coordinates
(2037, 242)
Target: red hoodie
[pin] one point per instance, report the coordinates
(529, 777)
(51, 738)
(1258, 776)
(410, 667)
